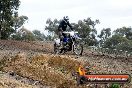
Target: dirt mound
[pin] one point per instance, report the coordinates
(51, 70)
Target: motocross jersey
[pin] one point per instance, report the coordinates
(63, 25)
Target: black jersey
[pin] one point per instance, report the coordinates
(63, 24)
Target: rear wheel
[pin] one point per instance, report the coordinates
(57, 49)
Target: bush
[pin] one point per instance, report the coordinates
(114, 85)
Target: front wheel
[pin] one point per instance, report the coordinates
(78, 48)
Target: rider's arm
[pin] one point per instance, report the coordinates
(69, 25)
(60, 26)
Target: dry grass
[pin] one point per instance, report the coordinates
(50, 70)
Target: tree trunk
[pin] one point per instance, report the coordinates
(0, 34)
(0, 29)
(1, 19)
(0, 24)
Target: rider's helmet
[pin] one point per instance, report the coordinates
(66, 18)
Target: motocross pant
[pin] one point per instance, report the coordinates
(61, 35)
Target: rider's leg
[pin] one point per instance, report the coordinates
(60, 35)
(61, 38)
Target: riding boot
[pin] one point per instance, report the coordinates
(61, 44)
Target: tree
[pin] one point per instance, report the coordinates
(7, 9)
(118, 42)
(38, 35)
(104, 35)
(87, 31)
(18, 21)
(125, 32)
(23, 34)
(49, 38)
(52, 26)
(113, 41)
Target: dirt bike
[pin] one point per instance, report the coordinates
(72, 42)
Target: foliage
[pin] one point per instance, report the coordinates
(104, 35)
(18, 21)
(38, 35)
(7, 9)
(114, 85)
(49, 38)
(125, 46)
(26, 35)
(118, 42)
(114, 41)
(86, 29)
(52, 26)
(23, 34)
(124, 31)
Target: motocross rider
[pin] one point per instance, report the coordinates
(62, 27)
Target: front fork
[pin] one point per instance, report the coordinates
(73, 46)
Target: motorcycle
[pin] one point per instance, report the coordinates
(72, 42)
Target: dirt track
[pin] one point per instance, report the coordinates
(34, 60)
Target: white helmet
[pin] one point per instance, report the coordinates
(66, 18)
